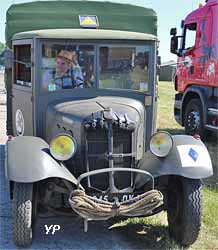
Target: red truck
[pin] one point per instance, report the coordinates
(196, 79)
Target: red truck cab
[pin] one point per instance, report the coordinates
(196, 79)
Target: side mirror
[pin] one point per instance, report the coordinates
(174, 45)
(8, 58)
(173, 32)
(158, 60)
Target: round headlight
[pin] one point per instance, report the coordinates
(161, 144)
(63, 147)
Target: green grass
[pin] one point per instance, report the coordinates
(152, 232)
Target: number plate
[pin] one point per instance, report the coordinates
(110, 197)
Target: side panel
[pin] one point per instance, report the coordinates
(22, 107)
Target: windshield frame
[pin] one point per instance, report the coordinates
(96, 45)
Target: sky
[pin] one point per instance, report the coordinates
(170, 13)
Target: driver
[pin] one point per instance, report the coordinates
(68, 72)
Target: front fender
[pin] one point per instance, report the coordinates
(189, 158)
(28, 160)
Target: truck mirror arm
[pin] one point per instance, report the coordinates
(174, 63)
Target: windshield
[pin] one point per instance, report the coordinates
(66, 66)
(70, 66)
(124, 67)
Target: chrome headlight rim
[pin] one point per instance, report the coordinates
(171, 147)
(60, 158)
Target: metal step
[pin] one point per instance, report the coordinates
(177, 104)
(211, 127)
(213, 111)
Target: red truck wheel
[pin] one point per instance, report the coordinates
(193, 120)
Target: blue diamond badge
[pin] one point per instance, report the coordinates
(193, 154)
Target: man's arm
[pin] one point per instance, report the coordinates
(78, 76)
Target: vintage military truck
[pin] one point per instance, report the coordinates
(81, 120)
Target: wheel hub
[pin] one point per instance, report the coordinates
(193, 120)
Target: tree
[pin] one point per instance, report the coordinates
(2, 48)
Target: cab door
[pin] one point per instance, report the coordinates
(214, 42)
(188, 68)
(206, 51)
(188, 59)
(22, 88)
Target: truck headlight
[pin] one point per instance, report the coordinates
(161, 144)
(63, 147)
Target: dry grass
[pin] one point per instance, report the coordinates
(152, 233)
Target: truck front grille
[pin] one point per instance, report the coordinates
(97, 151)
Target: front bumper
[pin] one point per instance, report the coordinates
(92, 208)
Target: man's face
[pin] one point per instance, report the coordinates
(62, 66)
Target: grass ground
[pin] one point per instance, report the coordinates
(153, 230)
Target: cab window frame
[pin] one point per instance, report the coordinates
(97, 44)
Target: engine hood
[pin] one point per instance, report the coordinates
(74, 116)
(84, 109)
(93, 123)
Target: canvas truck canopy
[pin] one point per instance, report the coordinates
(65, 15)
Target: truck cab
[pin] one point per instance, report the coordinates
(196, 80)
(81, 120)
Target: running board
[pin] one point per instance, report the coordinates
(211, 127)
(213, 111)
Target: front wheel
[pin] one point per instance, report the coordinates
(184, 209)
(23, 213)
(193, 120)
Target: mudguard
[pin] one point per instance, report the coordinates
(188, 158)
(28, 160)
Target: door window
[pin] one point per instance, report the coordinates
(190, 36)
(22, 65)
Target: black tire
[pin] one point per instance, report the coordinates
(23, 213)
(193, 119)
(184, 209)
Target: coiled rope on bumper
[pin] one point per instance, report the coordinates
(91, 208)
